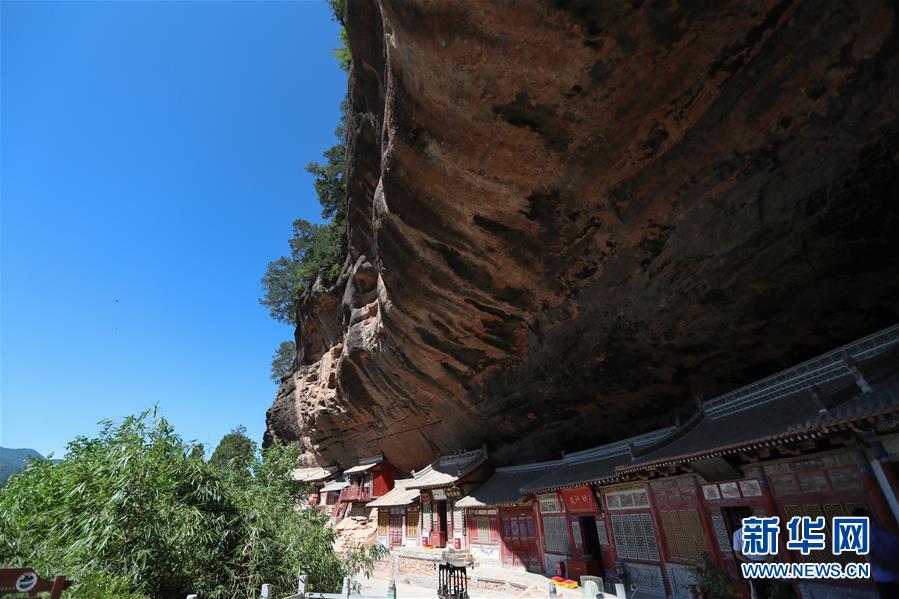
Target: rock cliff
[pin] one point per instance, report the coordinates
(569, 218)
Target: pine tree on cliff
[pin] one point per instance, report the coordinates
(317, 251)
(283, 360)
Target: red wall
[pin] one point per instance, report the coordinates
(382, 479)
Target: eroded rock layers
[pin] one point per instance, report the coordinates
(568, 218)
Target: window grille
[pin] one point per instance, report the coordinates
(383, 522)
(635, 536)
(555, 529)
(683, 535)
(412, 517)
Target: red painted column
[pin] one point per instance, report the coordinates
(708, 529)
(612, 551)
(541, 536)
(661, 540)
(880, 509)
(771, 509)
(890, 473)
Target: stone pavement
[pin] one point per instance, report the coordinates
(528, 583)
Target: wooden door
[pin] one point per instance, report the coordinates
(396, 530)
(520, 547)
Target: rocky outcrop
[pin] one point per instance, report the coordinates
(568, 218)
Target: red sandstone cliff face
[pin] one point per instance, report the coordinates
(568, 218)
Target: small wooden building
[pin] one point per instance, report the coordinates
(371, 478)
(329, 503)
(313, 479)
(441, 484)
(399, 516)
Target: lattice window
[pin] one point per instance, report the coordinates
(683, 535)
(635, 536)
(555, 529)
(828, 510)
(412, 517)
(601, 532)
(483, 523)
(383, 522)
(721, 536)
(549, 504)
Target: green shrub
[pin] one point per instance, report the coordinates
(131, 513)
(714, 581)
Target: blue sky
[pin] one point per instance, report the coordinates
(152, 164)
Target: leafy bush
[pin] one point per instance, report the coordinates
(713, 580)
(131, 514)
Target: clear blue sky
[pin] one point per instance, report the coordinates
(152, 164)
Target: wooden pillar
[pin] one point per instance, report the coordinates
(708, 529)
(541, 535)
(889, 478)
(880, 509)
(661, 539)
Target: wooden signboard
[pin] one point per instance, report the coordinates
(579, 500)
(26, 580)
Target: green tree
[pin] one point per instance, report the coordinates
(198, 452)
(342, 53)
(283, 360)
(128, 507)
(316, 250)
(234, 452)
(130, 515)
(330, 184)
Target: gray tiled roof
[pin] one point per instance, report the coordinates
(781, 408)
(399, 495)
(504, 486)
(592, 465)
(308, 475)
(710, 433)
(446, 470)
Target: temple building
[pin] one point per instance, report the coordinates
(371, 478)
(315, 479)
(818, 439)
(440, 485)
(399, 516)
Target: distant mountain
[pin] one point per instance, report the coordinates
(13, 460)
